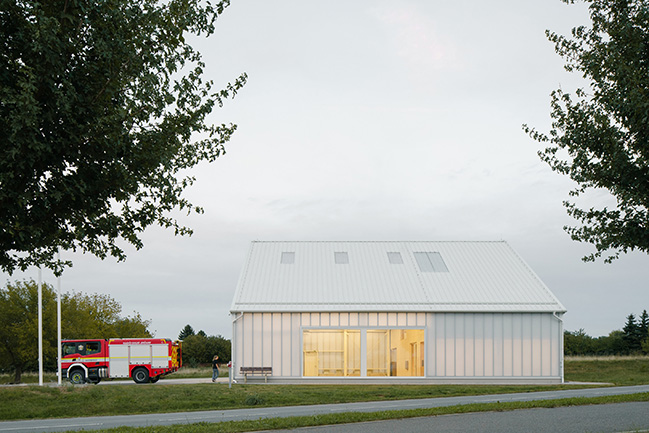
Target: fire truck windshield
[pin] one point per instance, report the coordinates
(71, 348)
(81, 348)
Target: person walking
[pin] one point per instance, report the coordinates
(215, 368)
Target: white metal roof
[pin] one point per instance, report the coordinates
(480, 276)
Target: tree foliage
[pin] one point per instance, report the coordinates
(600, 135)
(98, 316)
(186, 332)
(102, 106)
(631, 340)
(578, 343)
(199, 348)
(632, 335)
(19, 327)
(82, 316)
(643, 326)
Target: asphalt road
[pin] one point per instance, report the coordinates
(105, 422)
(609, 418)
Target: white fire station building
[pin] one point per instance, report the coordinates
(394, 312)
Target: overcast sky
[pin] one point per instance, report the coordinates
(374, 120)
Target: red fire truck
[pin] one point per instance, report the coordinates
(143, 359)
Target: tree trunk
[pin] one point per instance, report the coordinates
(18, 373)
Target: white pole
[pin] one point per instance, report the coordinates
(58, 320)
(40, 328)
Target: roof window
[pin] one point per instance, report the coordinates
(430, 262)
(288, 258)
(341, 258)
(395, 258)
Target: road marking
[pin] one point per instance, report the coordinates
(67, 426)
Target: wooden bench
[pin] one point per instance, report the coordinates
(256, 370)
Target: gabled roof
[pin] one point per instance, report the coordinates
(423, 276)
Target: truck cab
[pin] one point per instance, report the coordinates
(84, 360)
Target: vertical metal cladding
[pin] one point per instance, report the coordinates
(477, 346)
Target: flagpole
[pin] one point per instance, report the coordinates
(40, 328)
(58, 319)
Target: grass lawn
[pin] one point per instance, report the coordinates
(617, 370)
(71, 401)
(33, 402)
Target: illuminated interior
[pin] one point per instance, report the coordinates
(332, 352)
(337, 352)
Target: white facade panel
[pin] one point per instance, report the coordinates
(460, 345)
(498, 345)
(537, 353)
(277, 336)
(472, 349)
(267, 343)
(526, 329)
(469, 345)
(296, 346)
(248, 339)
(508, 345)
(363, 319)
(439, 342)
(488, 342)
(286, 345)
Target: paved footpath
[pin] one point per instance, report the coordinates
(105, 422)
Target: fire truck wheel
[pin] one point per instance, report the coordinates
(77, 377)
(141, 375)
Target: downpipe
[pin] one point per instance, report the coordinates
(560, 320)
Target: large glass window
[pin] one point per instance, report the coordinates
(388, 352)
(395, 352)
(335, 352)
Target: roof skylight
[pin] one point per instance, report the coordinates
(395, 258)
(430, 262)
(341, 258)
(288, 258)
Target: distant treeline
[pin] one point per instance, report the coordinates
(199, 348)
(633, 339)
